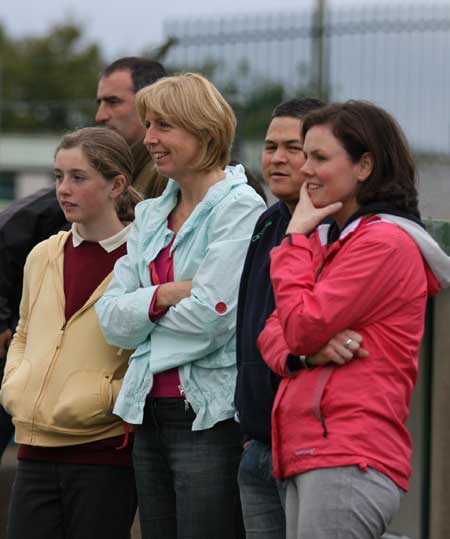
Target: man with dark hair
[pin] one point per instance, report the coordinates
(143, 71)
(117, 87)
(282, 158)
(32, 219)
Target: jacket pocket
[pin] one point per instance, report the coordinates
(14, 387)
(86, 399)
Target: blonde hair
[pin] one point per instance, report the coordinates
(192, 102)
(108, 153)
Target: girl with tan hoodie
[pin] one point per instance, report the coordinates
(74, 476)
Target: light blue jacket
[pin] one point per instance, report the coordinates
(194, 335)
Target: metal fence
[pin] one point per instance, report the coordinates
(395, 56)
(398, 57)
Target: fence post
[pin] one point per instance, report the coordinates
(439, 522)
(319, 52)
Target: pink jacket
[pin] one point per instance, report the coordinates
(373, 280)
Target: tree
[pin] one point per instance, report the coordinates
(257, 110)
(47, 83)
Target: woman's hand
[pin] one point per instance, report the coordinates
(341, 349)
(169, 294)
(306, 216)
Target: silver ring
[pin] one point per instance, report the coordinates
(348, 342)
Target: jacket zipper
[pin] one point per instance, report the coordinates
(321, 382)
(47, 375)
(183, 394)
(324, 426)
(61, 333)
(60, 290)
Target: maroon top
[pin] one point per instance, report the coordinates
(92, 263)
(167, 383)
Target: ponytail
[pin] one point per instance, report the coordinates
(126, 202)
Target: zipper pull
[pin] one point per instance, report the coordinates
(61, 333)
(183, 394)
(324, 426)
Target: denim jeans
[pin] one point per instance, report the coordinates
(262, 496)
(71, 501)
(186, 480)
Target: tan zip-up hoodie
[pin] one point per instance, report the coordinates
(61, 377)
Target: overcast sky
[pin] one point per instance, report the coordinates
(128, 26)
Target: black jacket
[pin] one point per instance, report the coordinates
(23, 224)
(256, 384)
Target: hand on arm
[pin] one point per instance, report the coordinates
(123, 310)
(341, 349)
(312, 311)
(306, 216)
(204, 320)
(169, 294)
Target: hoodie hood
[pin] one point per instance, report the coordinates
(55, 244)
(437, 260)
(375, 208)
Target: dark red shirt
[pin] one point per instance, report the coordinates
(167, 383)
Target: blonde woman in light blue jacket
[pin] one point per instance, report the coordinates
(173, 298)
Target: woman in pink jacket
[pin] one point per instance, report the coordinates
(338, 428)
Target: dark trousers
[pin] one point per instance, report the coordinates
(186, 480)
(6, 425)
(71, 501)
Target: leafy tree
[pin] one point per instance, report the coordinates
(47, 83)
(257, 108)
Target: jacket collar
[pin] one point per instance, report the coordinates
(284, 210)
(334, 233)
(163, 206)
(109, 244)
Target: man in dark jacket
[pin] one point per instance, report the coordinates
(282, 158)
(34, 218)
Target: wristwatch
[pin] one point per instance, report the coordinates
(294, 237)
(297, 363)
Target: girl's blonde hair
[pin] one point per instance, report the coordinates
(108, 153)
(192, 102)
